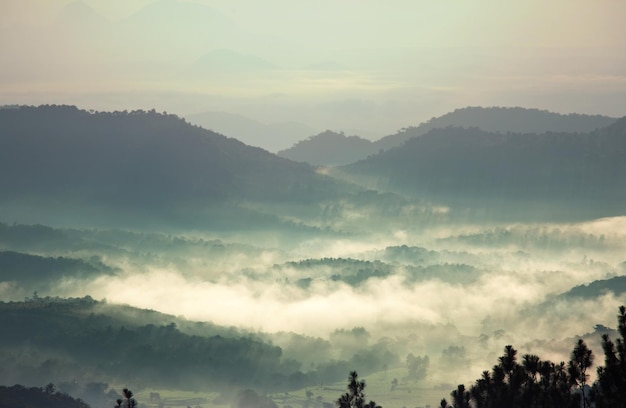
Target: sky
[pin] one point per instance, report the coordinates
(360, 66)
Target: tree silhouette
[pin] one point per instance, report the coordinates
(355, 398)
(460, 397)
(608, 391)
(543, 384)
(534, 383)
(128, 401)
(581, 360)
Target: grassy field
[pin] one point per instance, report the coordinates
(176, 398)
(378, 388)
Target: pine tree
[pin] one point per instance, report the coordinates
(355, 398)
(128, 401)
(609, 390)
(581, 360)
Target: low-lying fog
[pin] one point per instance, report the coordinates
(457, 293)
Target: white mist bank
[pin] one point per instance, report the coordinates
(436, 291)
(511, 279)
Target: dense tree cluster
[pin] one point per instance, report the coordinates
(142, 157)
(504, 172)
(542, 383)
(73, 330)
(610, 389)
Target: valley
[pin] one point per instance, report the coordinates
(139, 251)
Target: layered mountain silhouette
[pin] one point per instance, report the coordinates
(595, 289)
(145, 167)
(139, 162)
(476, 167)
(27, 269)
(329, 149)
(501, 120)
(96, 341)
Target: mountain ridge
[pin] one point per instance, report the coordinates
(469, 166)
(315, 149)
(328, 149)
(140, 162)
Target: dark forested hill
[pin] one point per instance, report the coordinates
(81, 340)
(141, 162)
(160, 355)
(501, 120)
(329, 149)
(27, 268)
(84, 339)
(19, 396)
(615, 285)
(472, 166)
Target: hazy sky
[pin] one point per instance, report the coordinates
(354, 65)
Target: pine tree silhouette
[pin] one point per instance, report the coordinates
(355, 398)
(128, 401)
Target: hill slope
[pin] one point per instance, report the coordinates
(501, 120)
(329, 149)
(21, 397)
(474, 167)
(141, 163)
(86, 340)
(336, 149)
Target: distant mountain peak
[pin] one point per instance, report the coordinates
(329, 148)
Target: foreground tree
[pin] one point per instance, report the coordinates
(128, 401)
(355, 397)
(610, 388)
(544, 384)
(534, 383)
(581, 360)
(460, 397)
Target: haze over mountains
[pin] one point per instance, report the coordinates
(375, 76)
(138, 162)
(507, 170)
(329, 149)
(236, 204)
(272, 137)
(326, 150)
(318, 269)
(129, 161)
